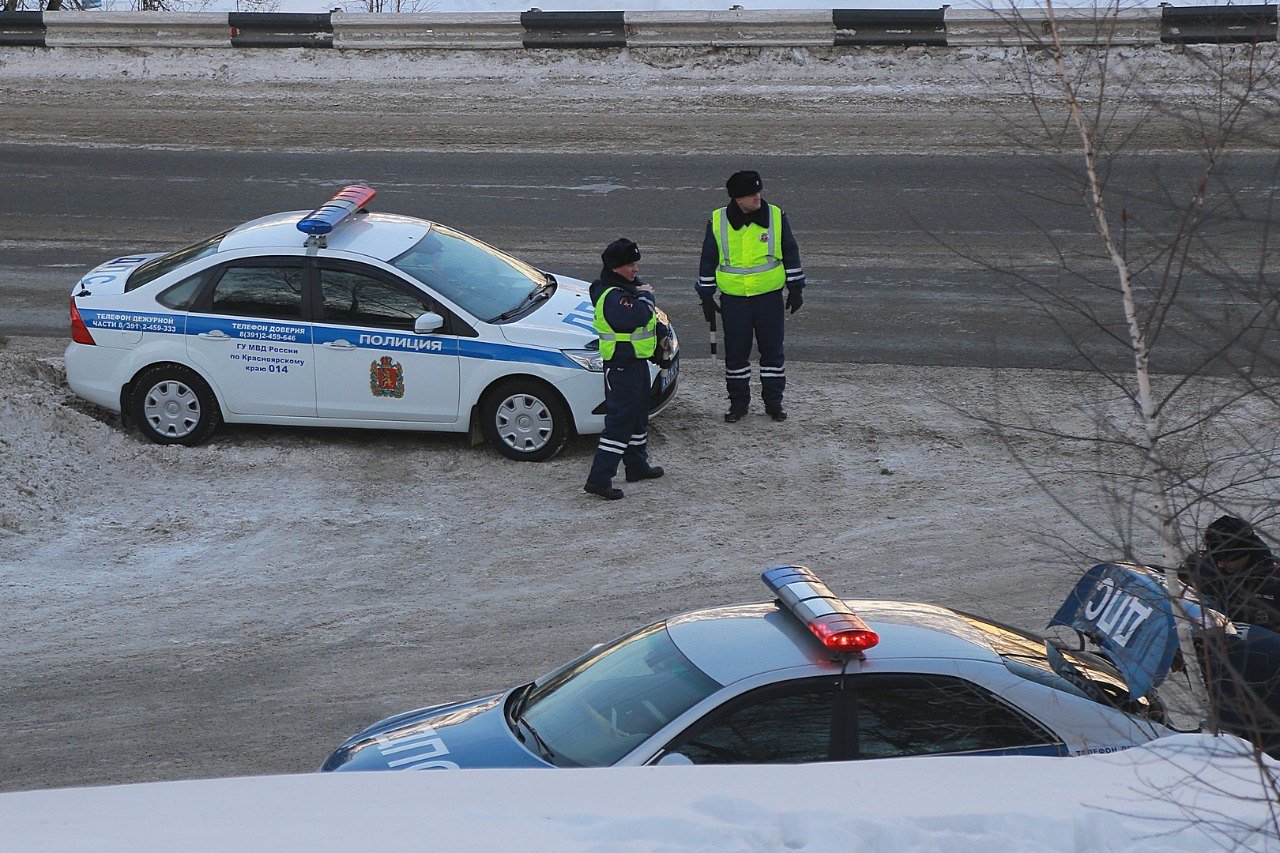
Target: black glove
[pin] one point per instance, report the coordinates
(794, 300)
(709, 308)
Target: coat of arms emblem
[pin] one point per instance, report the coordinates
(386, 378)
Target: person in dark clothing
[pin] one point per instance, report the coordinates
(1236, 573)
(631, 336)
(748, 255)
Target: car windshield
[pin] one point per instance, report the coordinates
(600, 707)
(156, 267)
(1024, 654)
(478, 278)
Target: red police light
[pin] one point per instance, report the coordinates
(842, 635)
(813, 603)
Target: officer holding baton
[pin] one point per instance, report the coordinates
(748, 255)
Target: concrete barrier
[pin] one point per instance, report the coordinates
(442, 31)
(1031, 27)
(136, 29)
(738, 28)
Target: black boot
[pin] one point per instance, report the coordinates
(776, 412)
(607, 492)
(735, 414)
(652, 473)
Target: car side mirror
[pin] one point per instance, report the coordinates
(427, 323)
(675, 758)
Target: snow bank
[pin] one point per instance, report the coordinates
(1189, 792)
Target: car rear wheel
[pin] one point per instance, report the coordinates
(171, 404)
(524, 420)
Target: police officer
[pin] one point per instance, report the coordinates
(630, 336)
(1237, 572)
(748, 255)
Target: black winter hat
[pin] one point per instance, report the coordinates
(619, 253)
(1230, 538)
(743, 184)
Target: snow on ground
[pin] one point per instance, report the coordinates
(775, 100)
(244, 606)
(1188, 792)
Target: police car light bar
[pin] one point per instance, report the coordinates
(826, 615)
(329, 215)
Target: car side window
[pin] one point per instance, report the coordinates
(772, 726)
(353, 299)
(899, 715)
(180, 296)
(272, 292)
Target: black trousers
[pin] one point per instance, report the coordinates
(626, 423)
(759, 317)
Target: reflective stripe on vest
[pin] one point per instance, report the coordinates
(743, 246)
(643, 341)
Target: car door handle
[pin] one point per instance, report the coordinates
(215, 335)
(339, 344)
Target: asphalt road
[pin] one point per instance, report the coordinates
(889, 241)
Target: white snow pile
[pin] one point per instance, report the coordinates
(1190, 792)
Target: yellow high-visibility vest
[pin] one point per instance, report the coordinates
(750, 257)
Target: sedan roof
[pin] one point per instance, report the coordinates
(732, 643)
(378, 235)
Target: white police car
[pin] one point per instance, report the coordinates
(800, 679)
(347, 318)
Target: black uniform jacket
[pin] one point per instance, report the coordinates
(1250, 595)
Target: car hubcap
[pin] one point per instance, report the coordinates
(172, 409)
(524, 422)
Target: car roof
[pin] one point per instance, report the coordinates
(378, 235)
(732, 643)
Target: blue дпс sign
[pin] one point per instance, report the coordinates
(1127, 611)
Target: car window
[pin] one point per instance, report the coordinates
(260, 291)
(156, 267)
(353, 299)
(925, 715)
(772, 727)
(472, 275)
(596, 710)
(180, 296)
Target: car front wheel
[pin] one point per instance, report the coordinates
(524, 420)
(171, 404)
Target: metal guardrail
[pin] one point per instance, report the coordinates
(880, 27)
(24, 29)
(573, 29)
(280, 29)
(837, 28)
(1218, 24)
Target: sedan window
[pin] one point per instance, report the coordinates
(600, 707)
(899, 715)
(353, 299)
(260, 291)
(483, 281)
(771, 727)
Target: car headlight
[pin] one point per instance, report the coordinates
(588, 359)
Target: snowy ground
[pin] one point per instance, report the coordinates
(747, 100)
(244, 606)
(1132, 801)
